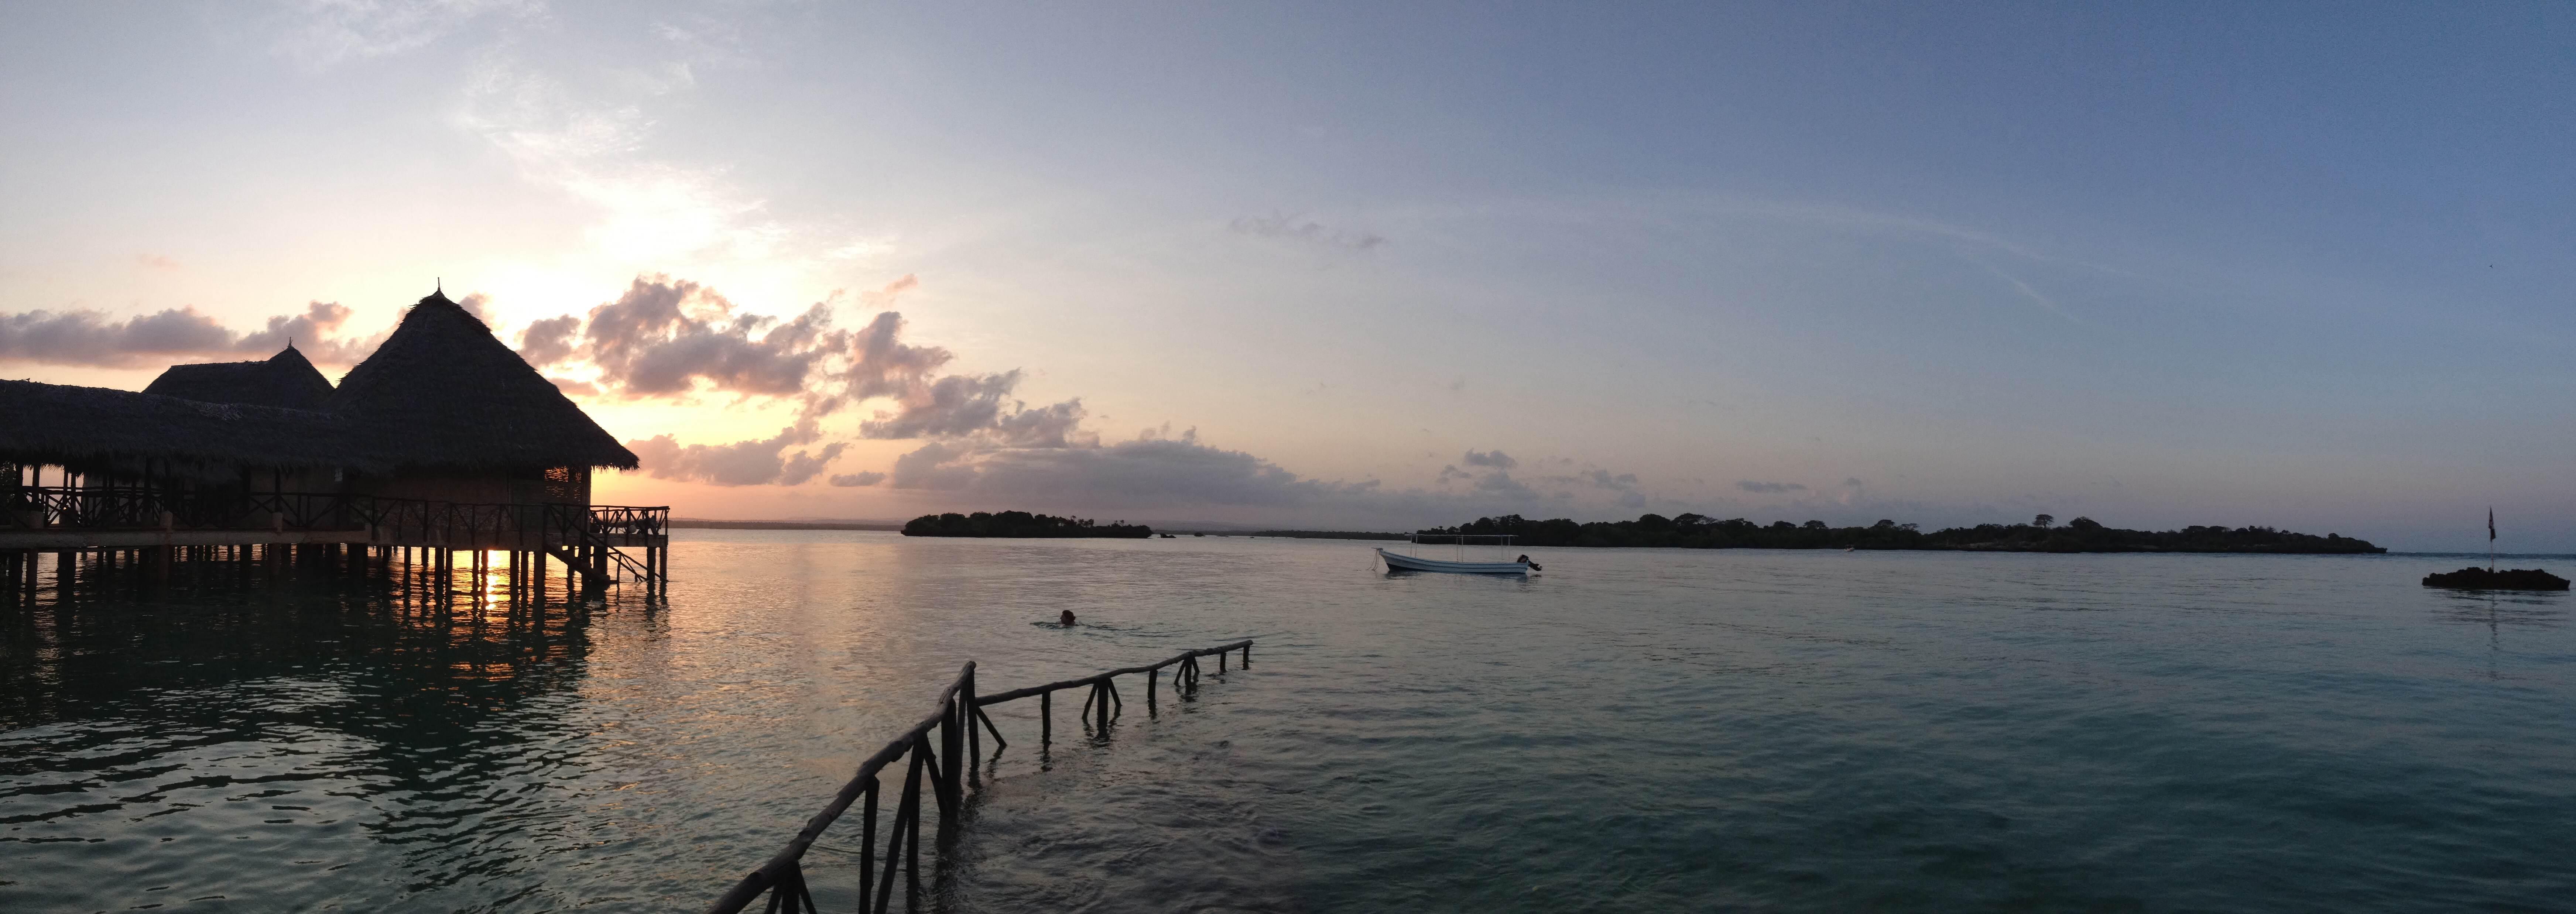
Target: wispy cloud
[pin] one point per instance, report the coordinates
(319, 34)
(1770, 488)
(1299, 229)
(1494, 458)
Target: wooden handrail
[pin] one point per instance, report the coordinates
(1015, 694)
(958, 710)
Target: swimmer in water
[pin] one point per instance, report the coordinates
(1065, 620)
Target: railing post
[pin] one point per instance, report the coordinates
(868, 848)
(952, 745)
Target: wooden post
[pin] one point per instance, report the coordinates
(952, 744)
(1046, 717)
(974, 738)
(912, 848)
(868, 847)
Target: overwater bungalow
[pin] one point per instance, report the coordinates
(443, 440)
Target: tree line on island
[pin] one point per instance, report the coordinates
(1696, 531)
(2042, 534)
(1021, 524)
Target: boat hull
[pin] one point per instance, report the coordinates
(1396, 561)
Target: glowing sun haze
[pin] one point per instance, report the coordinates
(1360, 266)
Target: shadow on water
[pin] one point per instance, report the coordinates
(215, 720)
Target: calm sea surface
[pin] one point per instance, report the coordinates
(1635, 730)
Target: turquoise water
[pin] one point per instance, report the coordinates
(1635, 730)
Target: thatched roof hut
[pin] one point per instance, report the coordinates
(285, 380)
(443, 392)
(96, 426)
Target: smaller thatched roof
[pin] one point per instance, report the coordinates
(444, 392)
(62, 424)
(286, 380)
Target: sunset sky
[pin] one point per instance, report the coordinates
(1373, 265)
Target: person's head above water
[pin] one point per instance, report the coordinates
(1066, 619)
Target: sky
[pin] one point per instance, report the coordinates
(1372, 266)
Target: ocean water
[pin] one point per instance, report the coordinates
(1633, 730)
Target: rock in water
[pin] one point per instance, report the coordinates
(2481, 579)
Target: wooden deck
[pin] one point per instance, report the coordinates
(590, 538)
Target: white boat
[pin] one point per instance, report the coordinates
(1397, 561)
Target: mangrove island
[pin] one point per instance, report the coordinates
(1020, 524)
(2042, 534)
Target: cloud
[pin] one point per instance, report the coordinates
(155, 262)
(743, 463)
(1623, 483)
(1291, 228)
(883, 297)
(1770, 488)
(1495, 458)
(1501, 483)
(929, 468)
(951, 407)
(551, 340)
(313, 332)
(848, 480)
(586, 141)
(1603, 479)
(663, 336)
(883, 364)
(319, 34)
(93, 338)
(1144, 472)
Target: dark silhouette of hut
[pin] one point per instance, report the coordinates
(104, 435)
(285, 380)
(443, 439)
(463, 418)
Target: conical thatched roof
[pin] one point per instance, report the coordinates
(443, 391)
(286, 380)
(59, 423)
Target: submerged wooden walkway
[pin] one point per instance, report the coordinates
(953, 724)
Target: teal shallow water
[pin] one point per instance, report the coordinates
(1634, 730)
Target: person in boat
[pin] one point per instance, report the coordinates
(1066, 619)
(1524, 559)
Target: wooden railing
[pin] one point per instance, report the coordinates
(145, 508)
(954, 720)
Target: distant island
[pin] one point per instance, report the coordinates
(1020, 524)
(2042, 534)
(698, 523)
